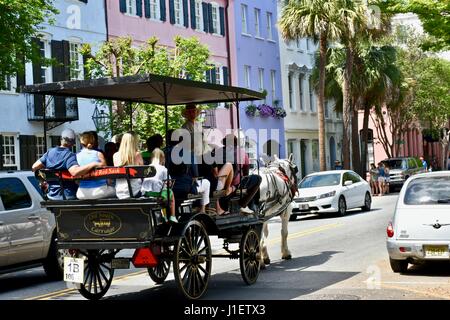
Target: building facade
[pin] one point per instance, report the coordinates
(256, 65)
(21, 124)
(301, 122)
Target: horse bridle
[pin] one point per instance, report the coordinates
(292, 186)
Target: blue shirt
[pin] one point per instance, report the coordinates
(60, 158)
(381, 172)
(87, 156)
(424, 164)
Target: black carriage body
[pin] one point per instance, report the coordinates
(105, 224)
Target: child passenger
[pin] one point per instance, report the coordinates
(155, 186)
(92, 189)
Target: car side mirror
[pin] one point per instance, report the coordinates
(348, 183)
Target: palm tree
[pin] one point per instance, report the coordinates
(315, 19)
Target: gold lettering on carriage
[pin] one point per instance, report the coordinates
(102, 223)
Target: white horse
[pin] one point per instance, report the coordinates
(277, 189)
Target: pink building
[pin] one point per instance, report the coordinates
(165, 19)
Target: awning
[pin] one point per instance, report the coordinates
(149, 88)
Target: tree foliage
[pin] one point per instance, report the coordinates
(118, 57)
(19, 23)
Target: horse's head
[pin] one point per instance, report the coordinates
(288, 168)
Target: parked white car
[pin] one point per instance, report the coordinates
(27, 231)
(420, 229)
(331, 191)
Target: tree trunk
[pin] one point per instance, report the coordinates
(356, 151)
(365, 136)
(320, 106)
(346, 107)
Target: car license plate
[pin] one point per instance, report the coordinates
(73, 269)
(303, 207)
(436, 251)
(120, 263)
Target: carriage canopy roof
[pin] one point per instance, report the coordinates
(148, 88)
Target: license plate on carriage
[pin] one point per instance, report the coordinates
(303, 207)
(436, 251)
(120, 263)
(73, 269)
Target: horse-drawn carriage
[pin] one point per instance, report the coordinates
(91, 233)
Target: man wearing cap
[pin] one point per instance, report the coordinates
(62, 158)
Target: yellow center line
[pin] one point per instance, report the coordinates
(307, 232)
(59, 293)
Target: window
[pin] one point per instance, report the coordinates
(428, 191)
(354, 177)
(308, 44)
(179, 19)
(311, 96)
(269, 26)
(9, 84)
(198, 16)
(131, 7)
(291, 93)
(247, 71)
(257, 22)
(14, 194)
(261, 79)
(9, 151)
(300, 88)
(40, 147)
(35, 184)
(244, 18)
(154, 9)
(273, 75)
(215, 19)
(298, 43)
(327, 106)
(45, 51)
(218, 71)
(76, 62)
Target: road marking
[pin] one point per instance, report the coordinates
(436, 295)
(59, 293)
(307, 232)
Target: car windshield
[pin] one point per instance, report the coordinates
(321, 180)
(428, 190)
(396, 163)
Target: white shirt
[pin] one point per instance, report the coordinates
(155, 183)
(198, 141)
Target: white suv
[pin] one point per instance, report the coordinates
(27, 231)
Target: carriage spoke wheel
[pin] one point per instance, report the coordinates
(159, 273)
(98, 274)
(192, 261)
(249, 257)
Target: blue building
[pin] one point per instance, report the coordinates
(256, 65)
(21, 122)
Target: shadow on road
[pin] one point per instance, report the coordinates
(327, 216)
(20, 280)
(282, 280)
(430, 269)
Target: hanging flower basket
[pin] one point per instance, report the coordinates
(265, 111)
(251, 110)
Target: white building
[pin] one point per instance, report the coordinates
(301, 123)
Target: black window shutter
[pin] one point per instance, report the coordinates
(213, 75)
(1, 152)
(205, 17)
(37, 78)
(226, 81)
(222, 20)
(171, 12)
(55, 141)
(66, 59)
(147, 8)
(210, 20)
(58, 55)
(162, 7)
(208, 76)
(139, 8)
(27, 151)
(20, 80)
(193, 15)
(123, 6)
(186, 13)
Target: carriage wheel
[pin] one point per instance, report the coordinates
(249, 256)
(159, 273)
(98, 274)
(192, 261)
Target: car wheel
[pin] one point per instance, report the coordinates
(293, 217)
(342, 206)
(398, 266)
(54, 263)
(367, 202)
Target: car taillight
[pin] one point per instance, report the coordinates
(390, 230)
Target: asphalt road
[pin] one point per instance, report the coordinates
(337, 258)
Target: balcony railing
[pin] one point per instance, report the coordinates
(58, 109)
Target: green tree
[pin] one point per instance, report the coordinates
(315, 19)
(20, 23)
(435, 18)
(117, 57)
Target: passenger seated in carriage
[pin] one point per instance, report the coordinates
(185, 176)
(128, 155)
(62, 158)
(92, 189)
(156, 186)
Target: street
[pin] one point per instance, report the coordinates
(332, 258)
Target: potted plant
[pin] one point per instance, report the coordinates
(251, 110)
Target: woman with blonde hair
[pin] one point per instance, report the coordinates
(155, 186)
(128, 155)
(92, 189)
